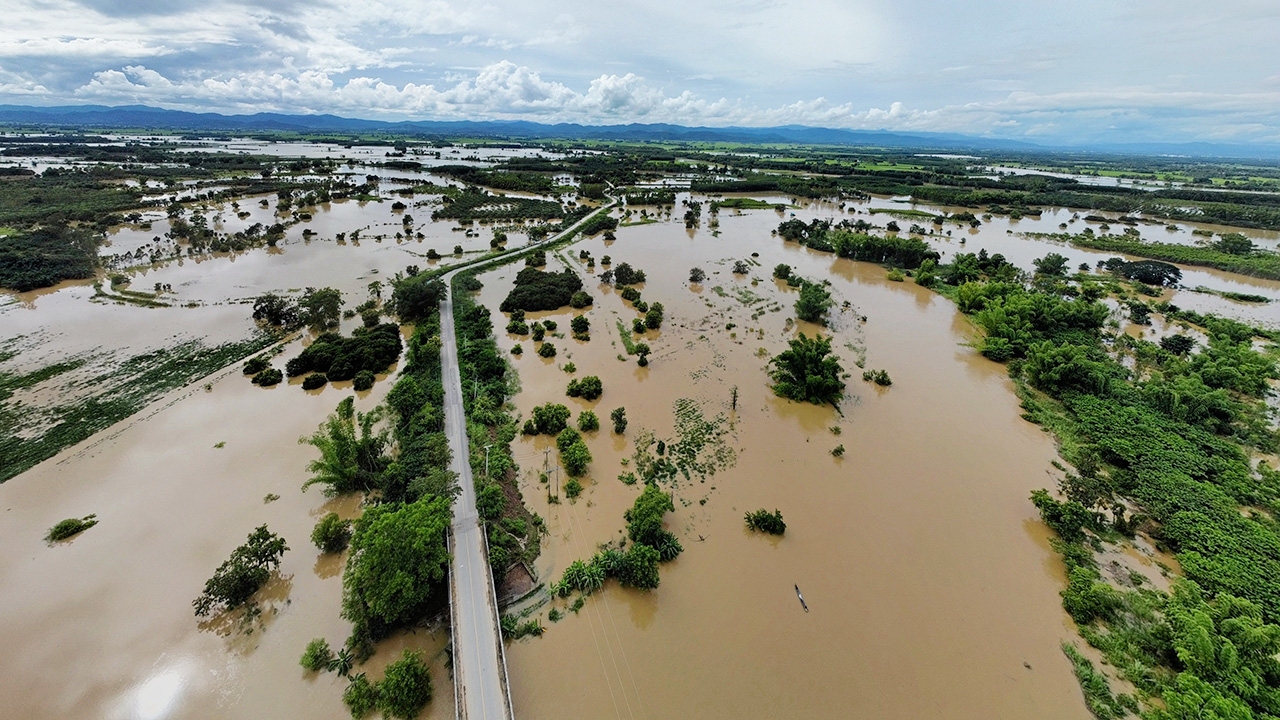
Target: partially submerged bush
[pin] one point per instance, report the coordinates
(331, 534)
(363, 380)
(268, 377)
(70, 527)
(313, 381)
(256, 365)
(317, 656)
(764, 521)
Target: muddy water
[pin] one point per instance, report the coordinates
(930, 582)
(101, 626)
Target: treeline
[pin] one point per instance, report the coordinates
(1161, 436)
(46, 256)
(1256, 263)
(816, 187)
(513, 532)
(893, 250)
(522, 181)
(476, 204)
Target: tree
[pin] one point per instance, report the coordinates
(1053, 265)
(624, 274)
(396, 567)
(740, 267)
(276, 310)
(813, 302)
(697, 275)
(653, 318)
(321, 308)
(1234, 244)
(405, 688)
(416, 297)
(619, 418)
(644, 518)
(1177, 344)
(243, 574)
(782, 271)
(348, 462)
(587, 388)
(588, 421)
(331, 534)
(576, 457)
(807, 373)
(580, 324)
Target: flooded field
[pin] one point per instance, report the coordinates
(931, 585)
(913, 613)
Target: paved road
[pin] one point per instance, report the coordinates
(479, 664)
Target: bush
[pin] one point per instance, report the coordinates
(580, 299)
(573, 488)
(550, 325)
(895, 275)
(313, 381)
(517, 350)
(363, 380)
(256, 365)
(549, 419)
(361, 696)
(588, 388)
(697, 275)
(268, 377)
(580, 324)
(619, 418)
(538, 332)
(782, 271)
(588, 421)
(331, 534)
(879, 377)
(547, 350)
(764, 521)
(637, 326)
(243, 574)
(317, 656)
(576, 457)
(405, 688)
(70, 527)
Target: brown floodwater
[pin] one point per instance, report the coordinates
(932, 589)
(929, 578)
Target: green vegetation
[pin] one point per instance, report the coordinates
(588, 421)
(636, 567)
(807, 373)
(268, 377)
(243, 574)
(741, 203)
(1160, 435)
(352, 451)
(70, 528)
(619, 418)
(313, 381)
(767, 522)
(363, 380)
(547, 350)
(405, 688)
(476, 204)
(416, 296)
(879, 377)
(317, 655)
(587, 388)
(331, 534)
(843, 240)
(537, 290)
(1256, 263)
(396, 570)
(46, 256)
(813, 303)
(513, 532)
(371, 349)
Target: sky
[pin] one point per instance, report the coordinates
(1048, 71)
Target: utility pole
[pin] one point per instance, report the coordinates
(486, 461)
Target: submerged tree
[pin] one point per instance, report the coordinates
(807, 373)
(243, 574)
(348, 462)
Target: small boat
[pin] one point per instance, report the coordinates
(803, 604)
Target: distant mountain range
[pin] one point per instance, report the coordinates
(144, 117)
